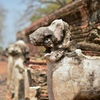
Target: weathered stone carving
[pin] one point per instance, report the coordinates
(71, 74)
(84, 24)
(55, 37)
(17, 73)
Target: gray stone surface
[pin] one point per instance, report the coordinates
(71, 74)
(74, 78)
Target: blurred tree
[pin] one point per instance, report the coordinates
(61, 3)
(41, 12)
(2, 17)
(39, 8)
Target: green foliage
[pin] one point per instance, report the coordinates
(49, 7)
(1, 49)
(34, 18)
(41, 12)
(67, 1)
(40, 8)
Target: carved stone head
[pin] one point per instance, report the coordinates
(55, 38)
(52, 35)
(42, 37)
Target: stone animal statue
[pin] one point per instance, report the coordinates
(17, 56)
(17, 73)
(53, 37)
(9, 53)
(71, 74)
